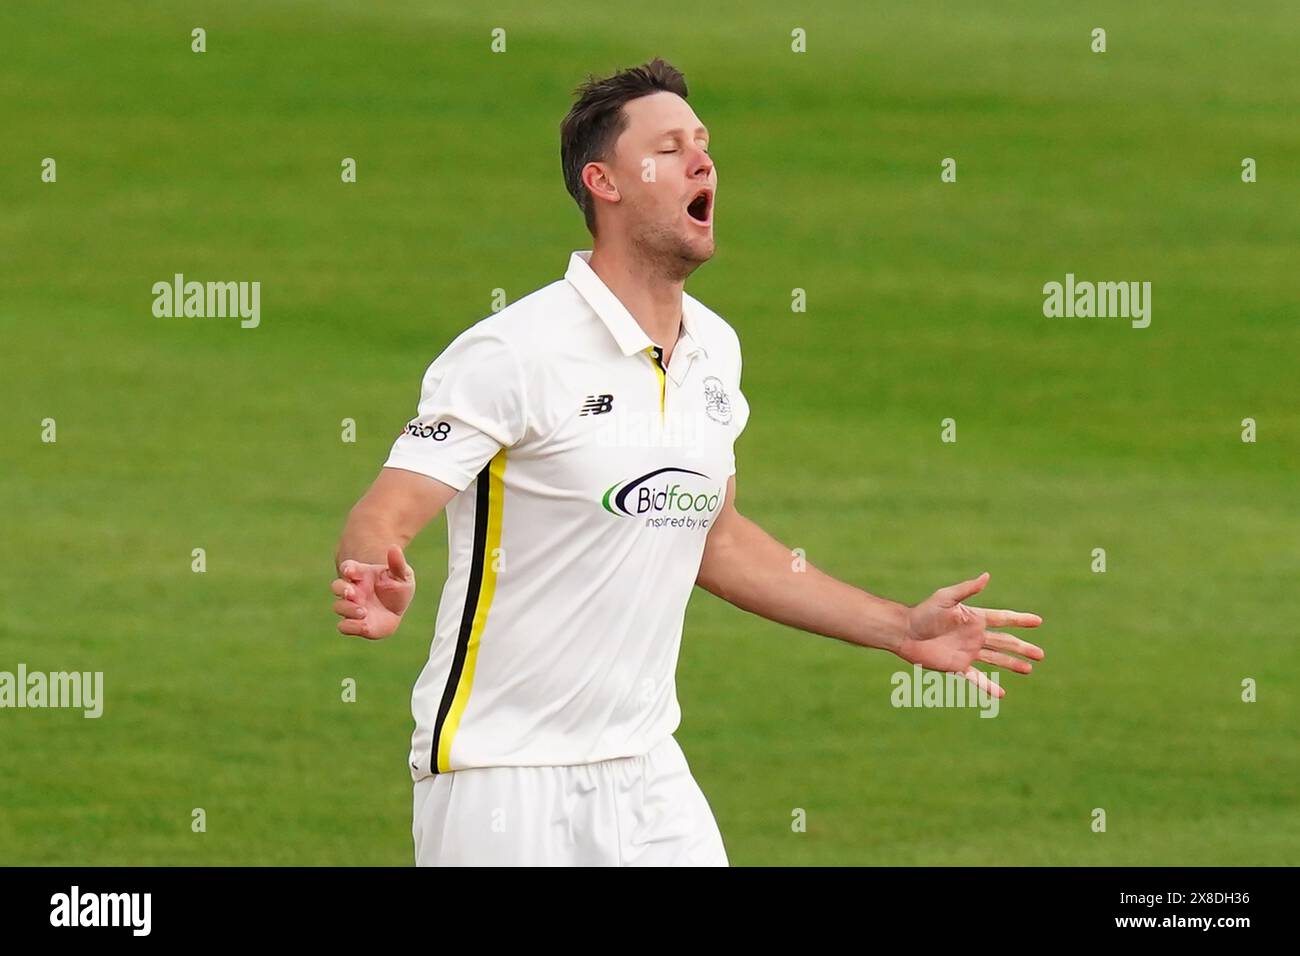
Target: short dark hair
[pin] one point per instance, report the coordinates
(596, 119)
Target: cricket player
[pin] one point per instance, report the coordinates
(581, 442)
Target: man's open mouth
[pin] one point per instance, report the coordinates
(700, 207)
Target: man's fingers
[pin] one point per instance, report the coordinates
(344, 589)
(1009, 618)
(355, 628)
(352, 570)
(349, 609)
(956, 593)
(1006, 661)
(365, 627)
(397, 565)
(1006, 642)
(980, 680)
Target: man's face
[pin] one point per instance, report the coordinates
(666, 182)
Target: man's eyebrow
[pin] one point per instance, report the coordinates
(679, 131)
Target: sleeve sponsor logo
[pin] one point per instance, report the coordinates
(438, 431)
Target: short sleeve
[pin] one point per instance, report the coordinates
(472, 404)
(739, 414)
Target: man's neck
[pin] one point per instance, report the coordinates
(653, 298)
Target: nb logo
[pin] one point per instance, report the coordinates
(597, 405)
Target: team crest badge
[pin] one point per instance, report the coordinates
(716, 403)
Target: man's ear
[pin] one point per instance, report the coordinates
(596, 177)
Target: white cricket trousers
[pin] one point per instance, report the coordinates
(630, 811)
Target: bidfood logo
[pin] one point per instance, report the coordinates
(659, 496)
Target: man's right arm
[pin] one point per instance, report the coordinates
(392, 511)
(375, 585)
(472, 404)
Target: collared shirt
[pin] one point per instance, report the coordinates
(590, 475)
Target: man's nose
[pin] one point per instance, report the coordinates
(702, 165)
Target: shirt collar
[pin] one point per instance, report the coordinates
(690, 337)
(629, 335)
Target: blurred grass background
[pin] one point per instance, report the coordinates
(924, 302)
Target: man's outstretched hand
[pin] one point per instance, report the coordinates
(373, 597)
(943, 634)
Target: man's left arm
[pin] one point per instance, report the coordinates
(747, 567)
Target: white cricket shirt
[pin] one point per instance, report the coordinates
(590, 476)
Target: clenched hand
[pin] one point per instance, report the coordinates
(373, 597)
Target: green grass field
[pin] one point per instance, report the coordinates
(924, 303)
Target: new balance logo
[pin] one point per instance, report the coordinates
(597, 405)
